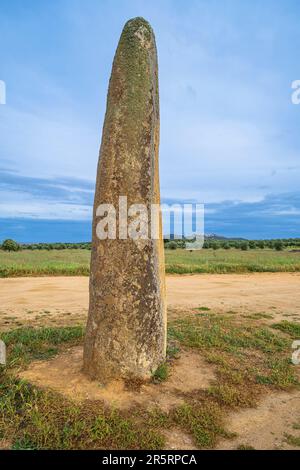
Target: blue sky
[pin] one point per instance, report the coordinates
(229, 131)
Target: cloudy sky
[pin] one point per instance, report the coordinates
(229, 131)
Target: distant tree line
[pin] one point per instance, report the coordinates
(209, 243)
(11, 245)
(244, 245)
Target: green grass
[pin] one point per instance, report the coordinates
(36, 419)
(248, 361)
(218, 332)
(231, 261)
(203, 419)
(259, 316)
(39, 419)
(26, 344)
(161, 373)
(292, 440)
(291, 328)
(76, 262)
(45, 263)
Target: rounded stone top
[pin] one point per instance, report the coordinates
(137, 22)
(139, 28)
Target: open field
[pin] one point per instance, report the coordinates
(43, 262)
(231, 261)
(70, 262)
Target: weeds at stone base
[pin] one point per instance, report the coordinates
(161, 373)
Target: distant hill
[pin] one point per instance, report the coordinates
(214, 236)
(208, 236)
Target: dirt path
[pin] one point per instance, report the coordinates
(54, 299)
(268, 425)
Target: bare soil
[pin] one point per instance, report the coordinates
(63, 374)
(266, 426)
(64, 300)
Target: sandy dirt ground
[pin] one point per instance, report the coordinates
(266, 426)
(55, 299)
(63, 374)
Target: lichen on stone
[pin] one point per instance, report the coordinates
(126, 330)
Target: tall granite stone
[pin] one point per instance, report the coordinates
(126, 328)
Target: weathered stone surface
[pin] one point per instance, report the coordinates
(126, 329)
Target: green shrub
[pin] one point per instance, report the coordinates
(260, 244)
(215, 245)
(278, 245)
(10, 245)
(172, 246)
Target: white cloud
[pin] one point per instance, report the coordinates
(225, 114)
(35, 145)
(20, 205)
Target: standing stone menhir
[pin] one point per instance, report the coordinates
(126, 329)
